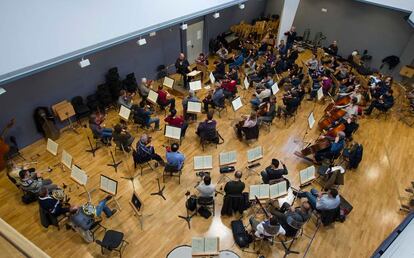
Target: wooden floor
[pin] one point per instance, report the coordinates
(374, 189)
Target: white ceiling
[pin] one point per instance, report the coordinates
(37, 34)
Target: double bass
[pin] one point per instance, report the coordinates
(4, 147)
(333, 113)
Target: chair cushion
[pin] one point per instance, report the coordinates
(112, 239)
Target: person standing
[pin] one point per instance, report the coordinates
(181, 65)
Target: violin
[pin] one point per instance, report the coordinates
(4, 147)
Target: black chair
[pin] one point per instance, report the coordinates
(130, 83)
(328, 217)
(14, 149)
(92, 102)
(81, 109)
(210, 139)
(141, 164)
(105, 97)
(251, 133)
(113, 241)
(206, 202)
(170, 170)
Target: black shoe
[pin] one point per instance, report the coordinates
(113, 212)
(156, 164)
(108, 197)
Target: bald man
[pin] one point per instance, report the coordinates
(181, 65)
(236, 186)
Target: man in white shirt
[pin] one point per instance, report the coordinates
(266, 228)
(206, 188)
(259, 96)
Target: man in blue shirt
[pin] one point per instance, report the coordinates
(322, 201)
(334, 150)
(175, 158)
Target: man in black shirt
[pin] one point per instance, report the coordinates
(291, 35)
(332, 49)
(181, 65)
(52, 205)
(235, 187)
(273, 171)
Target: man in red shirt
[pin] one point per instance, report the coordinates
(177, 121)
(164, 98)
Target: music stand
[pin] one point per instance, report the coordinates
(188, 217)
(236, 104)
(252, 156)
(81, 178)
(92, 149)
(64, 110)
(160, 190)
(132, 177)
(110, 186)
(138, 208)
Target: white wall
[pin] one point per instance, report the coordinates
(287, 17)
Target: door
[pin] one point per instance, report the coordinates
(194, 41)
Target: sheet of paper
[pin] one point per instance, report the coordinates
(254, 154)
(168, 82)
(203, 162)
(211, 245)
(264, 191)
(172, 132)
(197, 245)
(237, 103)
(109, 185)
(152, 97)
(193, 107)
(52, 147)
(246, 83)
(193, 73)
(289, 198)
(307, 174)
(254, 191)
(227, 158)
(66, 159)
(311, 120)
(195, 85)
(124, 112)
(79, 175)
(320, 93)
(275, 88)
(212, 78)
(277, 190)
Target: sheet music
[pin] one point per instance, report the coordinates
(246, 83)
(254, 154)
(207, 87)
(277, 190)
(193, 73)
(211, 245)
(108, 185)
(264, 191)
(237, 103)
(172, 132)
(152, 96)
(311, 120)
(168, 82)
(79, 175)
(195, 85)
(124, 112)
(307, 174)
(275, 88)
(212, 78)
(52, 147)
(193, 107)
(320, 93)
(254, 191)
(66, 159)
(197, 245)
(227, 158)
(203, 162)
(289, 198)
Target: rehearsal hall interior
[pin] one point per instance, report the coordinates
(208, 128)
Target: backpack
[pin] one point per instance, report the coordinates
(355, 156)
(29, 197)
(240, 235)
(192, 203)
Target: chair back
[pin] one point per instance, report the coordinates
(77, 101)
(330, 216)
(171, 168)
(205, 200)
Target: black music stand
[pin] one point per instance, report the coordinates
(160, 190)
(92, 149)
(188, 217)
(114, 163)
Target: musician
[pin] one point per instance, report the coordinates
(206, 188)
(381, 87)
(214, 98)
(266, 228)
(246, 123)
(232, 74)
(123, 137)
(260, 95)
(146, 152)
(201, 59)
(292, 55)
(235, 187)
(175, 159)
(332, 49)
(13, 172)
(267, 82)
(125, 98)
(52, 205)
(102, 133)
(219, 69)
(235, 61)
(164, 99)
(333, 150)
(352, 109)
(33, 181)
(207, 129)
(291, 219)
(229, 88)
(182, 67)
(267, 111)
(193, 98)
(144, 88)
(177, 121)
(283, 49)
(322, 201)
(143, 114)
(273, 171)
(384, 103)
(312, 64)
(291, 100)
(222, 52)
(250, 67)
(291, 36)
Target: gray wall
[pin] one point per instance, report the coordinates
(356, 25)
(68, 80)
(274, 7)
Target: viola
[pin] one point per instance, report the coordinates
(4, 147)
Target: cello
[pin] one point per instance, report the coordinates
(4, 147)
(333, 113)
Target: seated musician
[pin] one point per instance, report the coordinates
(207, 129)
(282, 49)
(259, 96)
(164, 99)
(350, 126)
(206, 188)
(236, 186)
(381, 87)
(52, 205)
(321, 201)
(316, 84)
(250, 67)
(236, 61)
(334, 150)
(292, 55)
(232, 74)
(105, 134)
(201, 59)
(273, 171)
(313, 64)
(219, 70)
(291, 219)
(177, 121)
(123, 137)
(291, 100)
(33, 181)
(267, 111)
(214, 98)
(146, 152)
(246, 123)
(332, 49)
(125, 98)
(13, 172)
(142, 114)
(144, 87)
(384, 103)
(222, 52)
(261, 72)
(267, 82)
(193, 98)
(266, 228)
(229, 88)
(175, 159)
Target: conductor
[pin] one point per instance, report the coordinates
(181, 65)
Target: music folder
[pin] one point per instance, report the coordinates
(311, 120)
(320, 93)
(195, 85)
(205, 246)
(168, 82)
(254, 154)
(237, 103)
(124, 112)
(172, 132)
(307, 175)
(212, 78)
(108, 185)
(275, 88)
(152, 97)
(78, 175)
(52, 147)
(193, 107)
(226, 158)
(203, 162)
